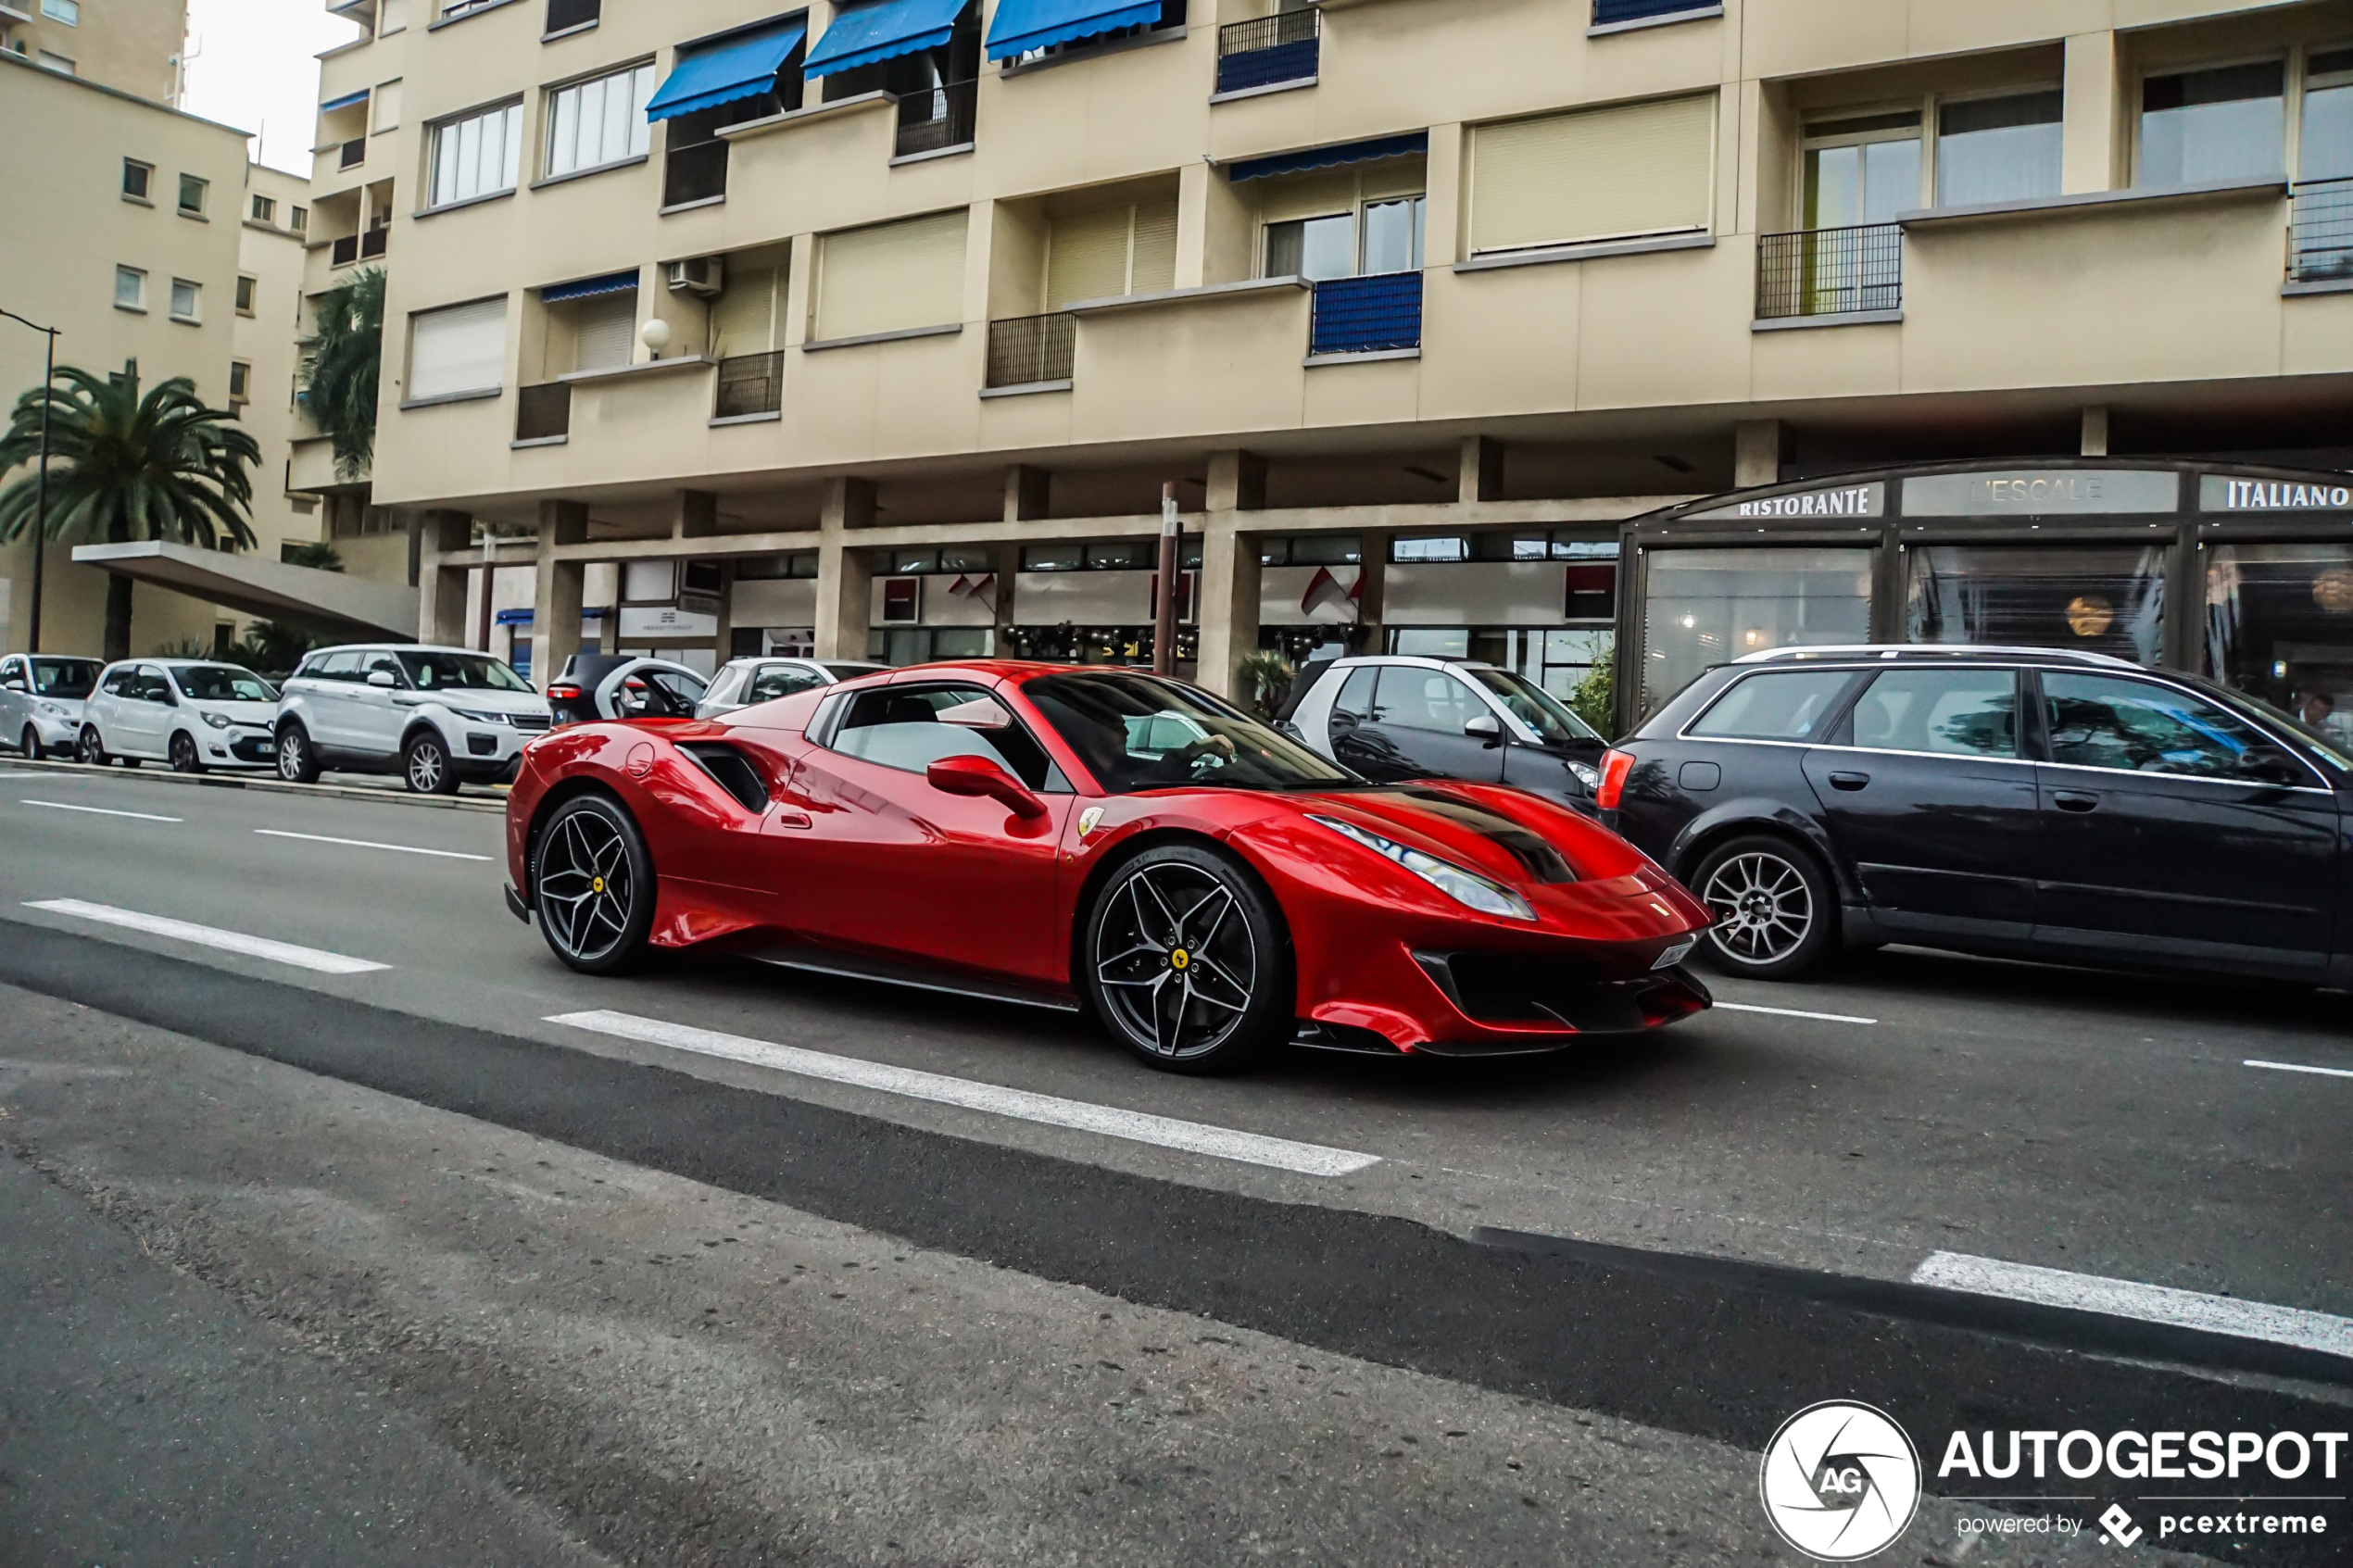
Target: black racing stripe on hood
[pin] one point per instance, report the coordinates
(1539, 860)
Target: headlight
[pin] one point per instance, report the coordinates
(55, 710)
(218, 720)
(1590, 777)
(479, 717)
(1465, 887)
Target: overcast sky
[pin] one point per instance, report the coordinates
(253, 64)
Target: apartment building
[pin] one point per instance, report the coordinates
(134, 45)
(1546, 331)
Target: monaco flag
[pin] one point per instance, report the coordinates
(1324, 592)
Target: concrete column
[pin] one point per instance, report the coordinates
(2095, 431)
(1028, 493)
(1192, 222)
(1229, 599)
(1483, 469)
(1756, 453)
(1442, 219)
(2091, 141)
(441, 590)
(694, 515)
(1007, 568)
(557, 589)
(845, 571)
(1372, 605)
(1237, 481)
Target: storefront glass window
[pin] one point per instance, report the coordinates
(2104, 599)
(1704, 608)
(2279, 624)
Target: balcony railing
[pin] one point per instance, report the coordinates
(1611, 13)
(750, 384)
(355, 152)
(1367, 315)
(1267, 50)
(565, 14)
(544, 412)
(373, 242)
(2319, 231)
(1830, 271)
(1026, 350)
(344, 251)
(696, 173)
(933, 120)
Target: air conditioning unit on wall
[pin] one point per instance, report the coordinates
(702, 275)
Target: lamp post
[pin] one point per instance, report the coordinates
(41, 484)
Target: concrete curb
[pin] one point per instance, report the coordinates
(236, 780)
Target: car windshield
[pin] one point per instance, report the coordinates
(68, 678)
(223, 682)
(459, 671)
(1137, 732)
(1534, 707)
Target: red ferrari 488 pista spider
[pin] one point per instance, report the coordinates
(1102, 839)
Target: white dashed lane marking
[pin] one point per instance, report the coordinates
(1198, 1137)
(2300, 1067)
(99, 811)
(1794, 1012)
(209, 937)
(369, 843)
(2149, 1303)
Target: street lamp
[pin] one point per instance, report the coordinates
(41, 484)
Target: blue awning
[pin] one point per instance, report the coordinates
(587, 288)
(882, 30)
(1023, 25)
(348, 101)
(1407, 145)
(736, 66)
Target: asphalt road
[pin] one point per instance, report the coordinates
(1732, 1207)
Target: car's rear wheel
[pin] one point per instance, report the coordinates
(183, 753)
(1187, 961)
(1775, 910)
(425, 763)
(298, 760)
(30, 744)
(592, 884)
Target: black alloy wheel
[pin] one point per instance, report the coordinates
(591, 885)
(92, 752)
(183, 753)
(424, 764)
(1188, 961)
(1775, 910)
(297, 761)
(30, 743)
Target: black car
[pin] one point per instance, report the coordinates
(2032, 803)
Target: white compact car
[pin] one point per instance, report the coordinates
(743, 682)
(41, 698)
(435, 716)
(193, 714)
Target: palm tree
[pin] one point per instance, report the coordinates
(124, 467)
(346, 358)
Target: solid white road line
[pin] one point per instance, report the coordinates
(1313, 1160)
(2300, 1067)
(1794, 1012)
(2150, 1303)
(209, 937)
(369, 843)
(100, 811)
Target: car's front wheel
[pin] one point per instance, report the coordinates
(30, 744)
(1187, 961)
(92, 751)
(297, 758)
(424, 764)
(591, 885)
(1775, 910)
(183, 753)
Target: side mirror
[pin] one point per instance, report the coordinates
(977, 777)
(1486, 727)
(12, 684)
(381, 679)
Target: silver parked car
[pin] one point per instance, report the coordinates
(432, 715)
(744, 682)
(41, 699)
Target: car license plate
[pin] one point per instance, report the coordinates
(267, 748)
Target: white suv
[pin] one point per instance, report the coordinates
(435, 716)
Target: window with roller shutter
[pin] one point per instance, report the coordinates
(456, 350)
(1621, 173)
(605, 331)
(1112, 251)
(892, 277)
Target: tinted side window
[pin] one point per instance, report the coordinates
(338, 666)
(1783, 705)
(2105, 722)
(118, 683)
(1425, 699)
(774, 681)
(1957, 712)
(1355, 704)
(900, 728)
